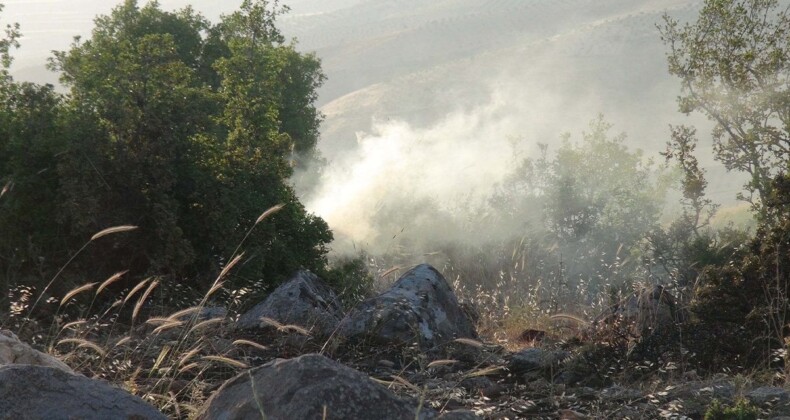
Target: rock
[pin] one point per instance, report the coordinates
(531, 336)
(419, 308)
(482, 386)
(204, 314)
(304, 301)
(768, 394)
(537, 362)
(721, 390)
(307, 387)
(39, 392)
(13, 351)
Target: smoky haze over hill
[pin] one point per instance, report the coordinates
(434, 100)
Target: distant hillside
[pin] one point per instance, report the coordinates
(563, 61)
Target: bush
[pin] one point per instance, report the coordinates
(748, 294)
(350, 278)
(187, 130)
(742, 410)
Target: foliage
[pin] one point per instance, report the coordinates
(734, 64)
(680, 251)
(598, 201)
(350, 278)
(742, 410)
(751, 291)
(186, 129)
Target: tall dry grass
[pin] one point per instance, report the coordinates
(171, 357)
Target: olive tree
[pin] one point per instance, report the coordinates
(734, 67)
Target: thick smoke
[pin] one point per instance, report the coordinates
(430, 182)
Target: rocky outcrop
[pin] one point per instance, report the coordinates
(13, 351)
(768, 395)
(644, 312)
(304, 301)
(419, 308)
(307, 387)
(39, 392)
(534, 363)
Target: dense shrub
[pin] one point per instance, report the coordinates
(742, 410)
(185, 129)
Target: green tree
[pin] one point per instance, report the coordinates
(132, 81)
(734, 67)
(28, 140)
(183, 128)
(595, 187)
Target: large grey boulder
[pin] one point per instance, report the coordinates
(13, 351)
(46, 393)
(419, 308)
(307, 387)
(768, 394)
(304, 301)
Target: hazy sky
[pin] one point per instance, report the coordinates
(48, 25)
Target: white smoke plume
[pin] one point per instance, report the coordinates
(454, 164)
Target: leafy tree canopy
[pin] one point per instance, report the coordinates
(734, 65)
(186, 129)
(598, 200)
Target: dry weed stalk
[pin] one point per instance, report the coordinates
(175, 316)
(75, 292)
(142, 299)
(190, 354)
(226, 360)
(284, 327)
(73, 324)
(205, 324)
(469, 342)
(112, 279)
(485, 372)
(442, 362)
(188, 368)
(136, 289)
(6, 188)
(250, 343)
(113, 230)
(169, 361)
(167, 326)
(82, 343)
